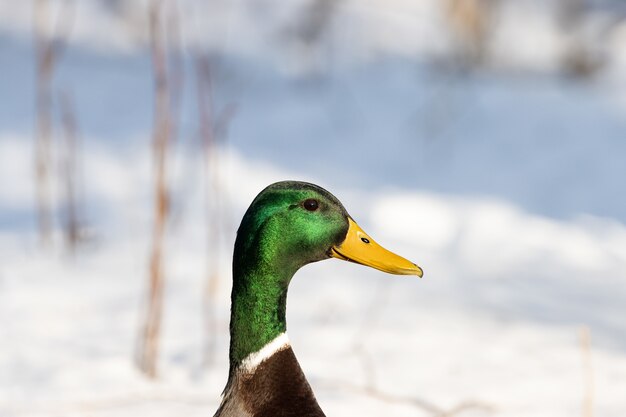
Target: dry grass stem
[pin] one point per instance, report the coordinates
(48, 49)
(70, 172)
(210, 128)
(168, 84)
(417, 403)
(470, 22)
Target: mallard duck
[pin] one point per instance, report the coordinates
(288, 225)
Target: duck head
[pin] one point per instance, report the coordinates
(290, 224)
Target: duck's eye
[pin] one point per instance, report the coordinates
(311, 204)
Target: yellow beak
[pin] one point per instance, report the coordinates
(360, 248)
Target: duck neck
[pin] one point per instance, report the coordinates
(259, 301)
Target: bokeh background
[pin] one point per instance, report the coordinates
(483, 139)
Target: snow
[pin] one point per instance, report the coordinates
(504, 184)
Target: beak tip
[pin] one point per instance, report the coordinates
(419, 271)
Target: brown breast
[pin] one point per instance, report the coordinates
(276, 388)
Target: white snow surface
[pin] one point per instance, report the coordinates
(505, 186)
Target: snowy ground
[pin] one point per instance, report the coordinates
(505, 186)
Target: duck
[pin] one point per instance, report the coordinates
(288, 225)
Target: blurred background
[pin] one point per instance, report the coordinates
(483, 139)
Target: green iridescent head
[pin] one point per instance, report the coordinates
(288, 225)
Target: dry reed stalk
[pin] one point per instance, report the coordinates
(579, 58)
(417, 403)
(45, 57)
(166, 102)
(470, 21)
(213, 126)
(70, 172)
(588, 387)
(210, 171)
(48, 48)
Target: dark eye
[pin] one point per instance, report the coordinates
(311, 204)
